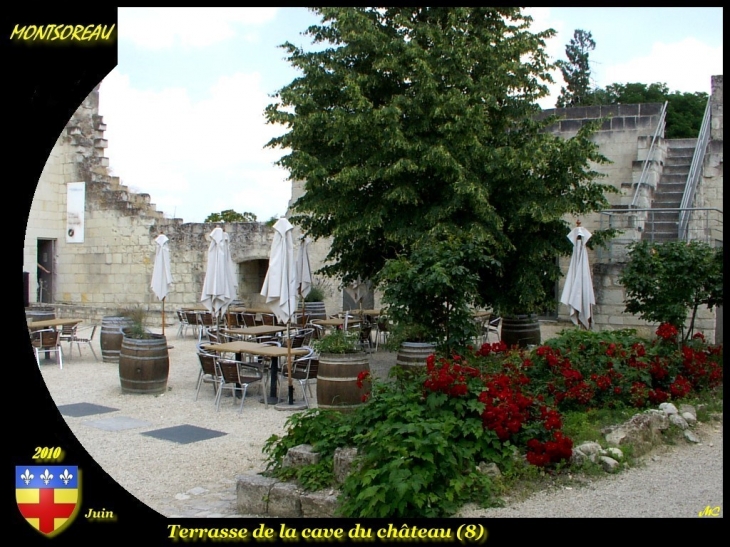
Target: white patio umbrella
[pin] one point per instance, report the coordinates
(220, 283)
(280, 284)
(578, 292)
(161, 274)
(304, 272)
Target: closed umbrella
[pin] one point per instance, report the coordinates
(578, 292)
(280, 284)
(161, 275)
(304, 272)
(220, 284)
(357, 290)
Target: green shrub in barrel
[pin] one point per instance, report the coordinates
(343, 377)
(144, 362)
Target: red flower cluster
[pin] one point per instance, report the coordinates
(542, 454)
(362, 377)
(701, 371)
(448, 377)
(506, 408)
(496, 347)
(680, 387)
(667, 331)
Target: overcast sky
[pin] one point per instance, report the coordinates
(184, 107)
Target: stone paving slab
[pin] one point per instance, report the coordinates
(78, 410)
(184, 434)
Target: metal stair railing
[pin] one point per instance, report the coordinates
(630, 226)
(645, 170)
(693, 177)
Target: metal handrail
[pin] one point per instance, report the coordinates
(694, 174)
(645, 170)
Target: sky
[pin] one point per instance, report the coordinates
(184, 107)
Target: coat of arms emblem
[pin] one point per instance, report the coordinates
(48, 496)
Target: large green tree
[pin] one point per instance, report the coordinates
(576, 71)
(412, 126)
(229, 215)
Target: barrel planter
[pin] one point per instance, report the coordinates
(521, 330)
(144, 364)
(111, 337)
(337, 381)
(412, 356)
(39, 314)
(315, 310)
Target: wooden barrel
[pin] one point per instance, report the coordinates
(144, 364)
(39, 314)
(413, 355)
(521, 330)
(315, 310)
(337, 381)
(111, 337)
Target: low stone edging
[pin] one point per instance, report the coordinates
(267, 496)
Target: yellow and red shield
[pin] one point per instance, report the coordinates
(48, 496)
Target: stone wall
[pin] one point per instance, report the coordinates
(112, 268)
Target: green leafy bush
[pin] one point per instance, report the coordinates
(666, 282)
(421, 436)
(338, 341)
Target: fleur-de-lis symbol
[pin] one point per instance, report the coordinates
(66, 477)
(46, 477)
(27, 476)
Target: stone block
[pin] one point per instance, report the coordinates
(650, 109)
(252, 494)
(322, 504)
(628, 110)
(300, 456)
(617, 123)
(284, 500)
(568, 126)
(344, 459)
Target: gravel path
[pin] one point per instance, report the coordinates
(166, 476)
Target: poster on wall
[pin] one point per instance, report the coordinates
(75, 201)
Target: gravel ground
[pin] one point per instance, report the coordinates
(678, 482)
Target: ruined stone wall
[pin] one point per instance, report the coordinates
(112, 268)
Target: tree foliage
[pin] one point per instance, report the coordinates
(229, 215)
(576, 71)
(666, 282)
(684, 110)
(411, 125)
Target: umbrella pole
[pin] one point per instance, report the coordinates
(288, 359)
(163, 316)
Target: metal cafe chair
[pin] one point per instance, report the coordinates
(236, 376)
(47, 341)
(209, 373)
(83, 336)
(303, 369)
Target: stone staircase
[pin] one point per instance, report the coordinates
(662, 226)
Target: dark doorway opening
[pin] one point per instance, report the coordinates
(45, 269)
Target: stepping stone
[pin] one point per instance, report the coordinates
(184, 434)
(84, 409)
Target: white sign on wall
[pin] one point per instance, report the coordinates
(75, 204)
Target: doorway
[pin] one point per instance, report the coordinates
(45, 269)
